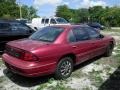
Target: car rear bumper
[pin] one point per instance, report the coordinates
(28, 69)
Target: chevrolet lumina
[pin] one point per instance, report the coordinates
(56, 50)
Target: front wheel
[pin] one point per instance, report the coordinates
(64, 68)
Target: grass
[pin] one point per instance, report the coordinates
(117, 56)
(1, 62)
(60, 86)
(111, 30)
(96, 78)
(2, 82)
(53, 85)
(77, 74)
(1, 79)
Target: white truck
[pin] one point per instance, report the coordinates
(38, 23)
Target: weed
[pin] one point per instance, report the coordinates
(42, 87)
(96, 78)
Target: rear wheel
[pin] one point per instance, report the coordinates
(64, 68)
(109, 50)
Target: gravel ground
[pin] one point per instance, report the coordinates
(96, 74)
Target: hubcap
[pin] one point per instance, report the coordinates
(65, 68)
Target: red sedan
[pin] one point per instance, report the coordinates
(55, 50)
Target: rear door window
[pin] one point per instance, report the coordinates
(80, 34)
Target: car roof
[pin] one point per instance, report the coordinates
(8, 21)
(70, 26)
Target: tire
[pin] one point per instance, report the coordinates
(109, 50)
(64, 68)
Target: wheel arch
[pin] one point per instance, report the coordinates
(71, 55)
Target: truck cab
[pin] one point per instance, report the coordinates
(43, 22)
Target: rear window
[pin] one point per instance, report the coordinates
(47, 34)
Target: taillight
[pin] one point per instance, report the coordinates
(21, 54)
(29, 56)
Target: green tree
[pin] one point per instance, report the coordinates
(64, 11)
(108, 16)
(9, 9)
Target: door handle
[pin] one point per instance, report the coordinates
(74, 46)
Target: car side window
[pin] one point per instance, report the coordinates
(53, 21)
(71, 37)
(19, 26)
(93, 34)
(4, 26)
(80, 34)
(43, 20)
(46, 21)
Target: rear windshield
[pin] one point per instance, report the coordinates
(47, 34)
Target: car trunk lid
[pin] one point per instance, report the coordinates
(28, 44)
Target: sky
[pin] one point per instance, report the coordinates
(48, 7)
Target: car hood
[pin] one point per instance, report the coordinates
(28, 44)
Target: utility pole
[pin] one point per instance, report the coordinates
(28, 14)
(20, 9)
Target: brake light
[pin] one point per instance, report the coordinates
(29, 56)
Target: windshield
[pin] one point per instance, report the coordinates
(61, 21)
(47, 34)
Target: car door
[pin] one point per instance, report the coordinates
(78, 39)
(5, 34)
(97, 41)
